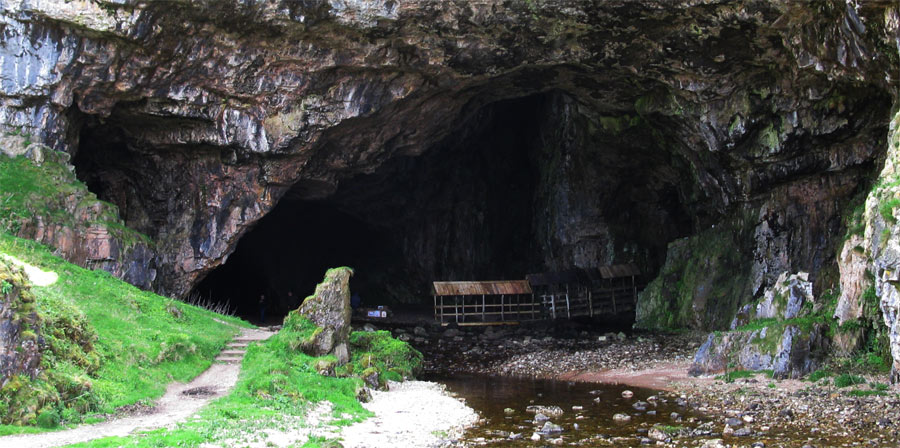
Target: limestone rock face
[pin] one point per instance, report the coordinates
(20, 352)
(329, 308)
(871, 296)
(196, 118)
(789, 349)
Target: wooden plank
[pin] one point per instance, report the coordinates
(477, 288)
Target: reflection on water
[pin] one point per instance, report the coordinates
(587, 417)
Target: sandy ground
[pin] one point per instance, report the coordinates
(175, 406)
(410, 414)
(663, 376)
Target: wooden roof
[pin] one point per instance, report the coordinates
(495, 288)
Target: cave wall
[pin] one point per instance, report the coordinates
(196, 118)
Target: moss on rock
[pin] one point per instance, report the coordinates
(703, 282)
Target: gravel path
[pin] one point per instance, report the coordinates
(179, 402)
(410, 414)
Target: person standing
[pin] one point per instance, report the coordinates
(262, 308)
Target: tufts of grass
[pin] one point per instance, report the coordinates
(886, 209)
(847, 380)
(757, 324)
(865, 393)
(818, 375)
(736, 374)
(394, 360)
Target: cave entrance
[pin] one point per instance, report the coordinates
(526, 185)
(287, 254)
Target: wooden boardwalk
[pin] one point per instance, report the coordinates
(608, 290)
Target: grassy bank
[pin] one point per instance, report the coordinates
(108, 344)
(279, 385)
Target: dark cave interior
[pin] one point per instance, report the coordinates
(531, 184)
(494, 200)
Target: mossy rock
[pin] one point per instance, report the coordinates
(36, 342)
(329, 310)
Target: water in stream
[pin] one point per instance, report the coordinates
(587, 417)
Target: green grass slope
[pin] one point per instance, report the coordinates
(141, 342)
(279, 385)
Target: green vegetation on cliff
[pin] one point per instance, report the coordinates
(106, 343)
(702, 284)
(51, 192)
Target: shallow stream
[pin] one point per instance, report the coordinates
(587, 417)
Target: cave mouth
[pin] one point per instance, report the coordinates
(518, 186)
(287, 254)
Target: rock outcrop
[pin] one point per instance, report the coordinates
(770, 335)
(20, 352)
(44, 201)
(329, 309)
(870, 262)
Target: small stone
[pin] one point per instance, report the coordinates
(645, 441)
(627, 394)
(743, 432)
(451, 333)
(621, 336)
(747, 419)
(640, 406)
(551, 428)
(601, 339)
(675, 416)
(540, 418)
(509, 411)
(758, 445)
(786, 413)
(728, 431)
(419, 331)
(577, 408)
(621, 418)
(651, 413)
(515, 436)
(733, 422)
(657, 434)
(535, 436)
(369, 327)
(557, 441)
(553, 411)
(713, 443)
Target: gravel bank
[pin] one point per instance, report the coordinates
(410, 414)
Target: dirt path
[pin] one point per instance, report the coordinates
(179, 402)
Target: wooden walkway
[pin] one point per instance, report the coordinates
(608, 290)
